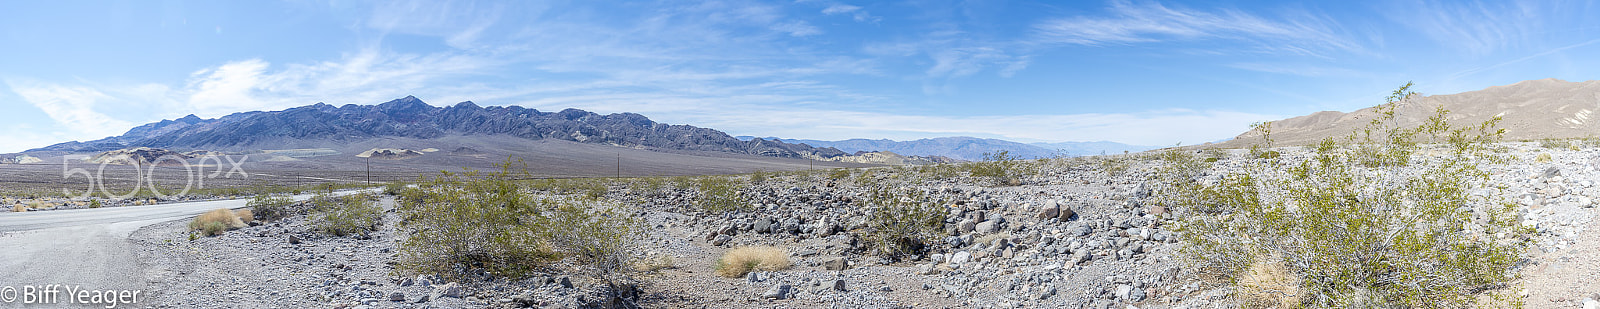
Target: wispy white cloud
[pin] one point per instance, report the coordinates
(753, 114)
(1476, 27)
(855, 12)
(1298, 69)
(74, 108)
(363, 77)
(1142, 22)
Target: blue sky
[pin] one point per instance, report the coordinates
(1137, 72)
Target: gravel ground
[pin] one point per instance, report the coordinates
(1074, 236)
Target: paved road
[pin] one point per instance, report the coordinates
(88, 248)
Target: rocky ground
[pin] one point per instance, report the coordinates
(1076, 234)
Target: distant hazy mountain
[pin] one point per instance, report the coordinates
(1093, 148)
(411, 118)
(962, 148)
(1545, 108)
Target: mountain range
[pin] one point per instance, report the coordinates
(412, 118)
(967, 148)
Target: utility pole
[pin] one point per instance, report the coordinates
(619, 165)
(369, 171)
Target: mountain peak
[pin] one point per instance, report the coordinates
(190, 119)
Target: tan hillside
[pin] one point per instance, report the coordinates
(1534, 109)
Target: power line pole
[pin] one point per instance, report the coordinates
(619, 165)
(369, 171)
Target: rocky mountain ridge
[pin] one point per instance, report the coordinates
(411, 117)
(1533, 109)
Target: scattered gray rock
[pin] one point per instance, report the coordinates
(779, 291)
(835, 263)
(1050, 211)
(1130, 293)
(966, 226)
(764, 225)
(397, 296)
(838, 285)
(294, 240)
(960, 258)
(452, 290)
(988, 227)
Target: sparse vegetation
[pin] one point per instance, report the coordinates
(902, 221)
(653, 262)
(345, 215)
(1346, 228)
(758, 177)
(1000, 167)
(461, 222)
(1264, 150)
(739, 261)
(268, 207)
(213, 223)
(394, 188)
(839, 174)
(719, 194)
(1555, 143)
(595, 236)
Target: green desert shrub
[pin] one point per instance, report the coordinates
(599, 237)
(394, 188)
(902, 221)
(345, 215)
(759, 176)
(268, 207)
(720, 194)
(460, 222)
(839, 174)
(999, 167)
(1339, 230)
(1555, 143)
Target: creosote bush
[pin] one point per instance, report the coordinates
(839, 174)
(1354, 225)
(267, 207)
(215, 222)
(903, 221)
(739, 261)
(720, 194)
(461, 222)
(999, 167)
(394, 188)
(345, 215)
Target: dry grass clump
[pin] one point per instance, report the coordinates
(19, 208)
(215, 222)
(740, 261)
(1268, 284)
(1542, 158)
(245, 215)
